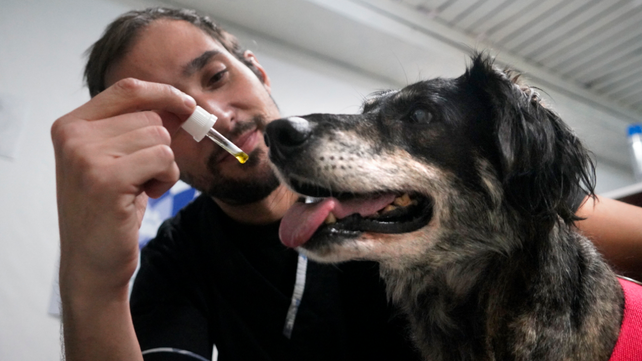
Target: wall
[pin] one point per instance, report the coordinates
(40, 65)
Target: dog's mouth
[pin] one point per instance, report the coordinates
(348, 214)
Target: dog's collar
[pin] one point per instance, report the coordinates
(629, 343)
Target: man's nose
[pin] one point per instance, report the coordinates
(226, 115)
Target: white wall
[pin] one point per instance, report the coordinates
(41, 63)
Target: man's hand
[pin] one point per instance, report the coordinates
(111, 153)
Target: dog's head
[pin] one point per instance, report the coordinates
(439, 159)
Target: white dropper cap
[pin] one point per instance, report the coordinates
(199, 123)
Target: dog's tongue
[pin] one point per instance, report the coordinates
(302, 220)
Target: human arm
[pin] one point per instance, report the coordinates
(110, 155)
(616, 230)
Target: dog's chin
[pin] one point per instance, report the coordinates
(362, 221)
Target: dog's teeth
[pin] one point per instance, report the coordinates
(389, 208)
(330, 218)
(312, 199)
(403, 201)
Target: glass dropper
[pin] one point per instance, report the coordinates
(201, 124)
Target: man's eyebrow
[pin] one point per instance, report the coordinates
(199, 62)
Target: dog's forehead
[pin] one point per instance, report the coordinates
(427, 90)
(373, 99)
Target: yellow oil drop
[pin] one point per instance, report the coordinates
(241, 157)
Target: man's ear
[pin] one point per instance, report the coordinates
(258, 69)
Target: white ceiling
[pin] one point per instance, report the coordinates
(594, 43)
(588, 50)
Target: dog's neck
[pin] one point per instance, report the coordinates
(490, 306)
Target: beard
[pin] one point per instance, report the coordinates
(234, 191)
(241, 192)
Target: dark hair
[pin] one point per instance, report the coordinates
(122, 32)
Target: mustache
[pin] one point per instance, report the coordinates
(258, 121)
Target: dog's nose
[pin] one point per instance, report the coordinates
(285, 136)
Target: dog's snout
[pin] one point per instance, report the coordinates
(285, 136)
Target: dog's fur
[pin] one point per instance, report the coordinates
(496, 271)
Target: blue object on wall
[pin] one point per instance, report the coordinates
(167, 205)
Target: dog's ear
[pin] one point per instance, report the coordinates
(545, 170)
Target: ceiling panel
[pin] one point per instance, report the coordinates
(596, 44)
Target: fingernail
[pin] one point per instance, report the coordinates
(189, 101)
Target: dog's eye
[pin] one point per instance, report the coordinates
(420, 116)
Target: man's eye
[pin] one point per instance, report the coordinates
(214, 80)
(420, 116)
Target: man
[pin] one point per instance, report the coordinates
(216, 274)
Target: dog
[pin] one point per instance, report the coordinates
(465, 191)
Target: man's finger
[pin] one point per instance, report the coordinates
(122, 124)
(137, 139)
(155, 162)
(131, 95)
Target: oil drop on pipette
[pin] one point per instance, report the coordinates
(201, 124)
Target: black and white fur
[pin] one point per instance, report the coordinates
(497, 270)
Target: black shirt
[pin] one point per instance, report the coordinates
(206, 279)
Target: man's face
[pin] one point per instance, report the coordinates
(180, 54)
